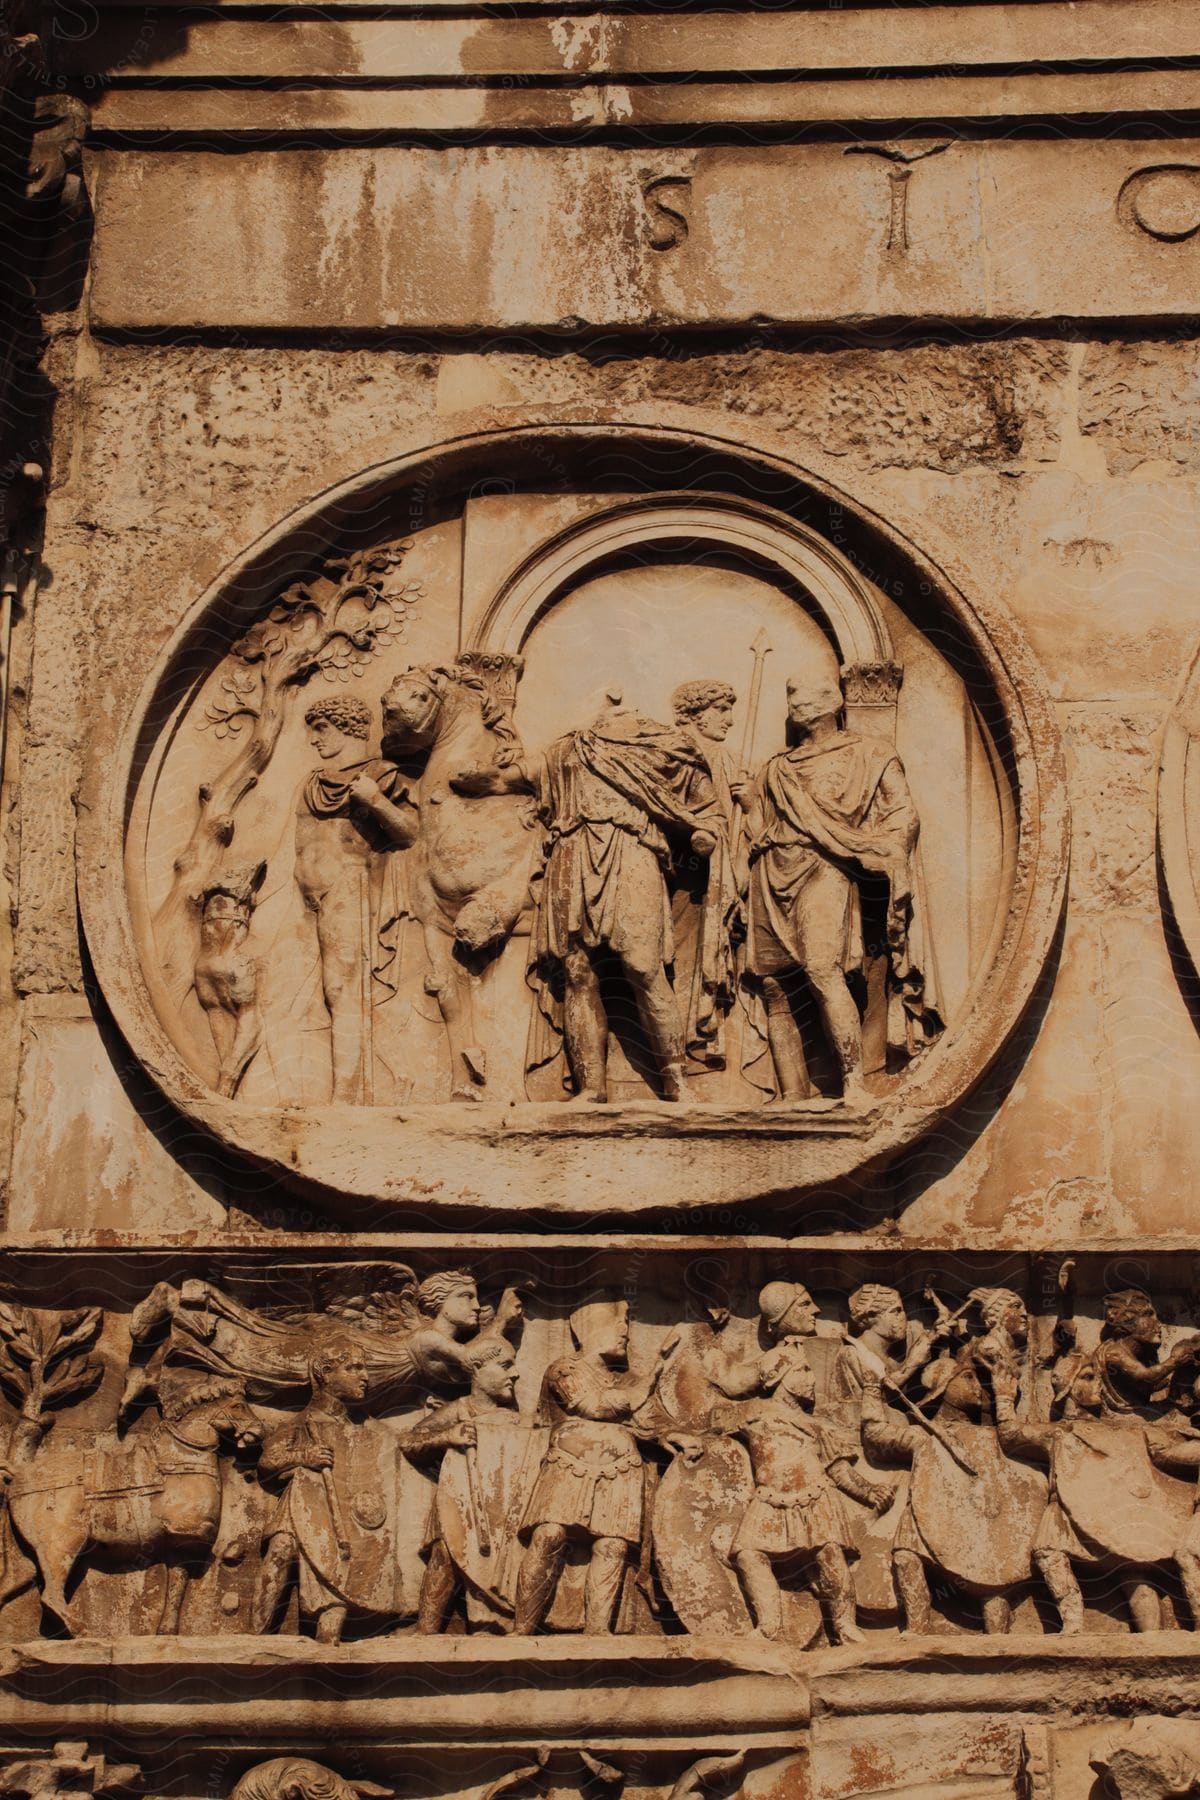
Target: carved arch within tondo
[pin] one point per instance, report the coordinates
(758, 535)
(397, 1161)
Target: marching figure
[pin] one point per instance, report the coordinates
(972, 1510)
(591, 1485)
(833, 832)
(327, 1533)
(795, 1514)
(1108, 1510)
(481, 1443)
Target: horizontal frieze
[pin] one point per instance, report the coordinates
(699, 1456)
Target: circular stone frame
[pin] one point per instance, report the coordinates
(784, 1169)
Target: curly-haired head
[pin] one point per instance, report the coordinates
(997, 1304)
(866, 1303)
(346, 714)
(1124, 1309)
(691, 698)
(435, 1290)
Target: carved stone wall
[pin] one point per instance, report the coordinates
(601, 902)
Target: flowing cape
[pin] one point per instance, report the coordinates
(849, 827)
(661, 774)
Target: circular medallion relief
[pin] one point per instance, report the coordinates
(556, 846)
(1179, 816)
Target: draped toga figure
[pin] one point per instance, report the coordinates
(613, 800)
(833, 836)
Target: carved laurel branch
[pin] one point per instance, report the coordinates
(44, 1357)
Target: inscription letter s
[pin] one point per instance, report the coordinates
(666, 224)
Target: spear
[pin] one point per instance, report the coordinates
(760, 649)
(366, 970)
(476, 1495)
(334, 1503)
(935, 1431)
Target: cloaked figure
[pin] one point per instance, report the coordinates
(478, 1442)
(329, 1534)
(591, 1486)
(615, 799)
(833, 836)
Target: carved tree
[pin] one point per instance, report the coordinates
(330, 626)
(44, 1362)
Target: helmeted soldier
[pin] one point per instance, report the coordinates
(591, 1484)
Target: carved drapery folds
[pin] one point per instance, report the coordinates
(405, 847)
(354, 1450)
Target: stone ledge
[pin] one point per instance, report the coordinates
(505, 1690)
(412, 1687)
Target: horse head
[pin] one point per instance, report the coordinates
(412, 708)
(206, 1412)
(428, 701)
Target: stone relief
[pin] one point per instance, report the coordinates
(54, 175)
(299, 1778)
(69, 1767)
(1152, 1759)
(1163, 201)
(226, 977)
(381, 1453)
(546, 841)
(832, 839)
(538, 1770)
(459, 884)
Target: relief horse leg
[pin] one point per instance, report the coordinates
(55, 1544)
(171, 1612)
(1145, 1607)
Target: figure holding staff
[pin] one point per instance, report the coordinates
(833, 834)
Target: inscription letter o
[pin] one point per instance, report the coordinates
(1163, 201)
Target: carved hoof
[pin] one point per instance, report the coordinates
(467, 1093)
